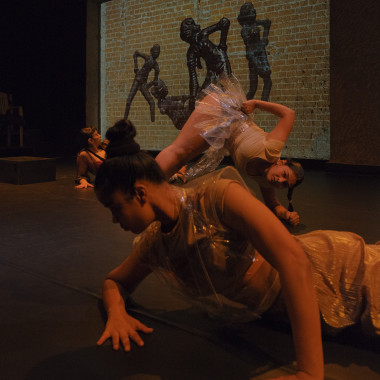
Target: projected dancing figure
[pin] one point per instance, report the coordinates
(255, 49)
(215, 56)
(141, 78)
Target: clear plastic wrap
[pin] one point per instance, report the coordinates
(208, 162)
(205, 261)
(221, 104)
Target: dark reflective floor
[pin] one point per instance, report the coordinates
(57, 244)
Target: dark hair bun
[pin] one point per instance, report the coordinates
(121, 136)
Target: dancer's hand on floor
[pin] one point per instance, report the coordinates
(121, 327)
(293, 218)
(84, 184)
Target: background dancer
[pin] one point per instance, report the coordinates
(218, 121)
(90, 157)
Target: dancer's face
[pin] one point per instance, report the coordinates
(280, 175)
(133, 213)
(96, 139)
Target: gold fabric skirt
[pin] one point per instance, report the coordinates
(346, 274)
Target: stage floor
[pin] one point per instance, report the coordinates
(58, 243)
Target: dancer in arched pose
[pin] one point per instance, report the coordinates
(218, 121)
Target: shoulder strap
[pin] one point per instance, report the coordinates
(96, 155)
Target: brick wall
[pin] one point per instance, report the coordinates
(298, 53)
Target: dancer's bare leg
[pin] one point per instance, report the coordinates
(188, 145)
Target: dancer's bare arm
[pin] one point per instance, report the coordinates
(82, 171)
(121, 327)
(251, 218)
(271, 200)
(286, 115)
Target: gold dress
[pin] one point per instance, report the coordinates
(218, 268)
(346, 277)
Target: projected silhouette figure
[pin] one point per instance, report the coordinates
(215, 56)
(141, 78)
(255, 49)
(175, 107)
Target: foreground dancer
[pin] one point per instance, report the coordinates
(219, 122)
(221, 247)
(90, 157)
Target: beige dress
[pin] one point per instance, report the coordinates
(226, 128)
(252, 143)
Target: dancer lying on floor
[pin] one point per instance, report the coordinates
(90, 157)
(218, 121)
(220, 246)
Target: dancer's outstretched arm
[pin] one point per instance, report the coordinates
(248, 216)
(122, 328)
(284, 126)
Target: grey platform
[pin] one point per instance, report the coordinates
(21, 170)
